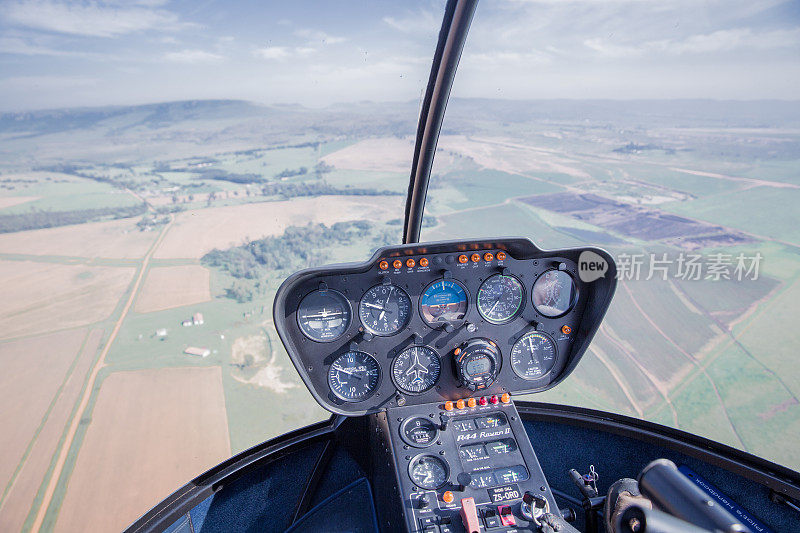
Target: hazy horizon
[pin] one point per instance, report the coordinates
(60, 54)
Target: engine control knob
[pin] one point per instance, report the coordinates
(464, 479)
(424, 502)
(477, 362)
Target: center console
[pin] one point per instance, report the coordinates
(427, 344)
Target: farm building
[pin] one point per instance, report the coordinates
(197, 319)
(199, 352)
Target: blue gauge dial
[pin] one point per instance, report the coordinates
(443, 301)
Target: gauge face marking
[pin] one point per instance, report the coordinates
(428, 471)
(442, 302)
(533, 355)
(324, 315)
(554, 293)
(353, 376)
(419, 432)
(384, 309)
(500, 298)
(416, 369)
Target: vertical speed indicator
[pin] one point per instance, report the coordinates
(354, 376)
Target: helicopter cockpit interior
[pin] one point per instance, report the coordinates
(420, 353)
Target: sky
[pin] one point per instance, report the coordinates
(56, 53)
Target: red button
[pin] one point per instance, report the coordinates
(494, 399)
(483, 401)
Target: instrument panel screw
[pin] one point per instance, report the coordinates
(471, 327)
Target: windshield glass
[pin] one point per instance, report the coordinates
(163, 167)
(666, 133)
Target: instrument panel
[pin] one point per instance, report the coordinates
(439, 322)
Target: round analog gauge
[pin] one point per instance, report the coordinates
(533, 355)
(324, 315)
(554, 293)
(428, 471)
(419, 432)
(416, 369)
(384, 309)
(500, 298)
(353, 376)
(442, 302)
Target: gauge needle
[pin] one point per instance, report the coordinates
(385, 303)
(530, 344)
(374, 306)
(492, 309)
(428, 477)
(348, 372)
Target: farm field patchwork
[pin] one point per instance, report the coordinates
(41, 297)
(173, 286)
(182, 413)
(20, 493)
(33, 371)
(196, 233)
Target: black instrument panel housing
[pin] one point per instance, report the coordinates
(523, 260)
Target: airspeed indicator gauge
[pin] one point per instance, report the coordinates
(384, 309)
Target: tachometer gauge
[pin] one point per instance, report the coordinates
(384, 309)
(416, 369)
(443, 302)
(500, 298)
(428, 471)
(533, 355)
(324, 315)
(353, 376)
(419, 432)
(554, 293)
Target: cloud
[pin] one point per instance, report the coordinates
(316, 36)
(272, 52)
(281, 53)
(422, 21)
(710, 43)
(192, 56)
(91, 19)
